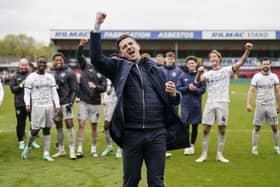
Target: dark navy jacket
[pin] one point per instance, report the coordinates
(143, 108)
(172, 73)
(191, 100)
(18, 91)
(117, 70)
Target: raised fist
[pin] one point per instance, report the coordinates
(249, 46)
(201, 69)
(100, 17)
(83, 41)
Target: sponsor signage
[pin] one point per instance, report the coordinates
(278, 35)
(238, 35)
(144, 35)
(60, 34)
(171, 35)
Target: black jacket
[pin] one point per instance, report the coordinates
(89, 74)
(66, 84)
(142, 106)
(17, 87)
(117, 69)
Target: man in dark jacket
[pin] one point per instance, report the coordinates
(171, 71)
(159, 59)
(141, 123)
(17, 88)
(191, 113)
(66, 85)
(92, 84)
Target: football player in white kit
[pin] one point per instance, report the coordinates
(40, 90)
(266, 84)
(216, 108)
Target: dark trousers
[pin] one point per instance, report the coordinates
(144, 145)
(21, 115)
(193, 133)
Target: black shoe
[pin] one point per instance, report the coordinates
(80, 155)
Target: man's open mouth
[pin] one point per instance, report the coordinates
(131, 53)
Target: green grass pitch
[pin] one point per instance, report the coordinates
(181, 171)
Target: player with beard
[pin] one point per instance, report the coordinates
(266, 84)
(40, 90)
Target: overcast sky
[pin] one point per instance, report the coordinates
(37, 17)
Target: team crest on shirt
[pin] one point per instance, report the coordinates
(49, 79)
(18, 112)
(62, 74)
(174, 74)
(37, 87)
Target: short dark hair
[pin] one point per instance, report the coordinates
(146, 55)
(58, 54)
(170, 54)
(122, 37)
(191, 58)
(42, 59)
(159, 55)
(30, 64)
(265, 59)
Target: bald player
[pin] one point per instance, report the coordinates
(17, 88)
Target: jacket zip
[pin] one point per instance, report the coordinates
(143, 95)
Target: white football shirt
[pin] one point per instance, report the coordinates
(41, 88)
(265, 87)
(218, 84)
